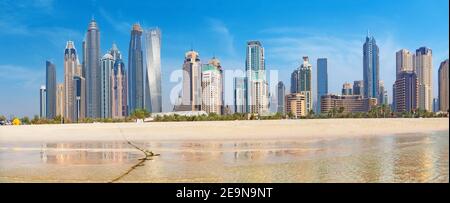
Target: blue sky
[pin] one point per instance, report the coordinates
(34, 31)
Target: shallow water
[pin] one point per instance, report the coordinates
(391, 158)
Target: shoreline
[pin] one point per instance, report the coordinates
(223, 130)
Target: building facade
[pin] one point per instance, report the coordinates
(257, 85)
(42, 102)
(106, 67)
(135, 70)
(294, 81)
(358, 87)
(240, 95)
(350, 103)
(305, 83)
(153, 99)
(92, 68)
(281, 96)
(60, 101)
(424, 70)
(322, 80)
(79, 92)
(191, 98)
(70, 66)
(404, 61)
(50, 90)
(119, 107)
(347, 89)
(443, 86)
(406, 92)
(296, 104)
(212, 87)
(371, 68)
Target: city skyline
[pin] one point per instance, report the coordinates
(283, 51)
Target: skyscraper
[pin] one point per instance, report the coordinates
(192, 89)
(42, 102)
(153, 101)
(212, 87)
(60, 102)
(136, 70)
(443, 86)
(92, 68)
(79, 89)
(294, 81)
(50, 85)
(115, 53)
(404, 61)
(383, 97)
(106, 67)
(347, 89)
(322, 79)
(305, 82)
(70, 64)
(358, 87)
(258, 91)
(119, 90)
(281, 95)
(240, 95)
(371, 68)
(406, 92)
(424, 70)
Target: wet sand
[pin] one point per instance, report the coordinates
(221, 130)
(348, 150)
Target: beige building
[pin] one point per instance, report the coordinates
(70, 68)
(351, 103)
(212, 87)
(296, 104)
(443, 86)
(423, 66)
(60, 99)
(191, 92)
(404, 61)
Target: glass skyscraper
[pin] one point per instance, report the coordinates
(50, 85)
(91, 50)
(322, 80)
(305, 83)
(42, 102)
(240, 95)
(107, 65)
(136, 70)
(257, 86)
(424, 70)
(153, 100)
(281, 93)
(371, 67)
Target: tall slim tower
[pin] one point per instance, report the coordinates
(192, 89)
(70, 65)
(240, 94)
(258, 91)
(371, 68)
(60, 102)
(281, 94)
(423, 66)
(136, 70)
(153, 101)
(92, 68)
(79, 88)
(322, 80)
(305, 82)
(443, 86)
(106, 67)
(212, 87)
(119, 90)
(42, 102)
(50, 85)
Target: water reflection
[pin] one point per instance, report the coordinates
(402, 158)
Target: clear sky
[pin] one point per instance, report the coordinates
(34, 31)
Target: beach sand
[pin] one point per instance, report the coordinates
(222, 130)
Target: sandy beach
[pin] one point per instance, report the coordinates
(222, 130)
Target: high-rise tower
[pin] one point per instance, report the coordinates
(92, 69)
(257, 86)
(50, 90)
(136, 70)
(153, 100)
(423, 66)
(371, 67)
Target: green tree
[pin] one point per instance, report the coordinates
(2, 118)
(25, 120)
(140, 114)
